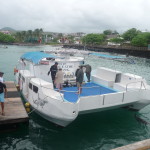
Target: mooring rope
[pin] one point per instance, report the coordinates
(31, 111)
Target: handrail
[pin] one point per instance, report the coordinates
(59, 91)
(90, 87)
(142, 83)
(68, 91)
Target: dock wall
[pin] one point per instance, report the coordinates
(125, 50)
(142, 145)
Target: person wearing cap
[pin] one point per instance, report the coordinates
(1, 77)
(3, 90)
(53, 71)
(59, 79)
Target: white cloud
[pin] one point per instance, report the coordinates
(75, 15)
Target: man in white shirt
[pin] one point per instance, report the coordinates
(59, 79)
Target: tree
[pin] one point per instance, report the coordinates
(108, 32)
(117, 40)
(142, 39)
(18, 36)
(130, 34)
(4, 38)
(93, 39)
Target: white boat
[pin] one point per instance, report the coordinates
(108, 89)
(62, 52)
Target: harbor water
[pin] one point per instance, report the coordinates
(97, 131)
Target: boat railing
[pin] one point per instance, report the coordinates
(89, 88)
(59, 91)
(141, 85)
(77, 91)
(63, 91)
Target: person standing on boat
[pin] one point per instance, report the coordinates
(3, 90)
(53, 71)
(88, 71)
(59, 79)
(22, 64)
(77, 71)
(79, 79)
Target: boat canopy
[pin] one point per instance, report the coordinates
(35, 57)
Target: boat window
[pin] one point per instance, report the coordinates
(23, 79)
(30, 86)
(49, 58)
(19, 75)
(35, 88)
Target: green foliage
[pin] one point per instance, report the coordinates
(110, 32)
(5, 38)
(29, 36)
(142, 39)
(130, 34)
(107, 32)
(93, 39)
(117, 40)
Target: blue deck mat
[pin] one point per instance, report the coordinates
(98, 90)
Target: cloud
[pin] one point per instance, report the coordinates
(75, 15)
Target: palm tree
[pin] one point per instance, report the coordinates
(23, 34)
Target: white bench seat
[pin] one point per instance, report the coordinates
(105, 76)
(129, 82)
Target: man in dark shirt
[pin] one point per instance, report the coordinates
(2, 91)
(88, 71)
(79, 79)
(53, 71)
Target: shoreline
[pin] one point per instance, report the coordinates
(125, 50)
(30, 44)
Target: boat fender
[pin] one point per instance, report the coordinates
(15, 70)
(28, 110)
(27, 106)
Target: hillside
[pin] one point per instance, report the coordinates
(8, 29)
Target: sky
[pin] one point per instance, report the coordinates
(70, 16)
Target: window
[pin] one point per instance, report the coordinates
(19, 75)
(23, 79)
(35, 88)
(30, 86)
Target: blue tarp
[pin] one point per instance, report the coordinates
(35, 57)
(107, 56)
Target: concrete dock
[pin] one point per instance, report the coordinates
(141, 145)
(15, 112)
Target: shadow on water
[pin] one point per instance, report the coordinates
(12, 139)
(86, 132)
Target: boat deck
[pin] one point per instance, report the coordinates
(89, 89)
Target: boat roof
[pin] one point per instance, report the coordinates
(35, 57)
